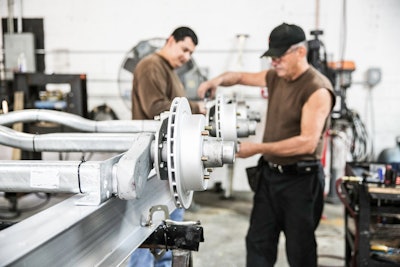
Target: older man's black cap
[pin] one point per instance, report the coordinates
(283, 37)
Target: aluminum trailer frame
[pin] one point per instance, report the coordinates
(103, 235)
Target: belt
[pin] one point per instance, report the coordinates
(300, 167)
(289, 168)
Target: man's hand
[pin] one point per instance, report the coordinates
(247, 149)
(204, 87)
(202, 107)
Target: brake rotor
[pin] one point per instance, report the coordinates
(225, 120)
(184, 153)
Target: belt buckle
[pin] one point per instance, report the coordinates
(280, 168)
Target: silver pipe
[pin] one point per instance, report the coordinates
(67, 142)
(79, 123)
(83, 142)
(127, 126)
(19, 18)
(10, 16)
(11, 138)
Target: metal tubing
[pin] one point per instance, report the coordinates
(79, 123)
(67, 142)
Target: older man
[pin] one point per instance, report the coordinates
(289, 197)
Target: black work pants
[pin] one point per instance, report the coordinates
(288, 202)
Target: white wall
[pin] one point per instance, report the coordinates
(92, 37)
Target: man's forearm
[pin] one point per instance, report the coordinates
(228, 79)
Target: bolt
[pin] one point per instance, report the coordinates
(157, 117)
(205, 133)
(206, 177)
(203, 158)
(208, 128)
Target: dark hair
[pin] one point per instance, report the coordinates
(180, 33)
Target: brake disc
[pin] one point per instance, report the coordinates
(225, 119)
(186, 171)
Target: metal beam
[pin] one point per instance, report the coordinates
(71, 235)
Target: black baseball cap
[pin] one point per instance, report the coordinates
(282, 38)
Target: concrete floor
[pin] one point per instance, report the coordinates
(225, 223)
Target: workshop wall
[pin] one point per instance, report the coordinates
(93, 36)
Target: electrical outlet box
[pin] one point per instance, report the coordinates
(19, 53)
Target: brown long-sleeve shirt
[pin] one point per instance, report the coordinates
(155, 85)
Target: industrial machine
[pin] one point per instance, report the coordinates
(61, 92)
(33, 86)
(116, 203)
(347, 138)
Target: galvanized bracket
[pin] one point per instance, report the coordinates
(154, 209)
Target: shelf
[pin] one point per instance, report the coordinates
(372, 216)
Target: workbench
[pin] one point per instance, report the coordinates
(372, 218)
